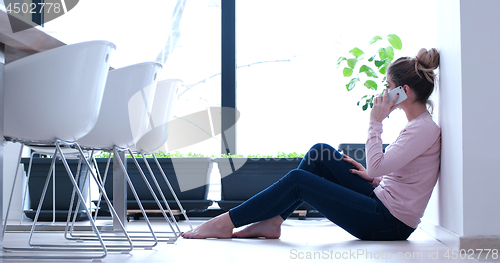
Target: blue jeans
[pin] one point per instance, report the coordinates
(323, 181)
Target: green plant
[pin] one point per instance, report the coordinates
(159, 154)
(162, 154)
(290, 155)
(279, 155)
(368, 68)
(102, 154)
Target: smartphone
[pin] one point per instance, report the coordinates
(402, 94)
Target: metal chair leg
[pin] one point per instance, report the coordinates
(154, 195)
(183, 211)
(42, 197)
(81, 237)
(172, 216)
(59, 247)
(135, 239)
(112, 210)
(136, 196)
(72, 201)
(119, 248)
(103, 181)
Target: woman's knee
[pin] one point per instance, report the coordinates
(321, 152)
(322, 147)
(296, 175)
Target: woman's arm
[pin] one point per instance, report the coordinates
(412, 141)
(415, 139)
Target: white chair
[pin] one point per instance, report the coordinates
(124, 117)
(156, 137)
(128, 89)
(161, 114)
(53, 98)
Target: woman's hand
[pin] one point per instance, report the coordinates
(358, 170)
(382, 107)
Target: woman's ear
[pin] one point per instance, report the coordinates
(407, 89)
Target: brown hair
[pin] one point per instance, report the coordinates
(417, 72)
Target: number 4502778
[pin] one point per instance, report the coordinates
(468, 253)
(32, 8)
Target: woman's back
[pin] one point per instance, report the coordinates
(409, 167)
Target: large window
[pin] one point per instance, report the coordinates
(183, 35)
(289, 91)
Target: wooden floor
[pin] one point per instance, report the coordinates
(311, 240)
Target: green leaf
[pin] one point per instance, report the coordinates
(365, 107)
(339, 61)
(347, 72)
(395, 41)
(356, 52)
(372, 58)
(370, 84)
(352, 84)
(381, 53)
(352, 62)
(375, 39)
(369, 71)
(389, 52)
(379, 63)
(383, 70)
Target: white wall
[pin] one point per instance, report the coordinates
(450, 119)
(469, 40)
(480, 116)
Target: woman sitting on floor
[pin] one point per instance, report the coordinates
(384, 201)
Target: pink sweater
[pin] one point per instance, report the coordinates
(408, 170)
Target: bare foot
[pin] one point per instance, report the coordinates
(218, 227)
(270, 228)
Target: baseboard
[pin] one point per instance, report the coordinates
(445, 236)
(454, 241)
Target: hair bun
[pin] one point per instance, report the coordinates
(429, 59)
(426, 62)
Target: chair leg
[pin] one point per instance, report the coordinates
(176, 235)
(81, 237)
(172, 216)
(112, 237)
(57, 247)
(133, 238)
(136, 196)
(183, 211)
(102, 180)
(68, 229)
(111, 208)
(54, 196)
(42, 197)
(82, 199)
(119, 248)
